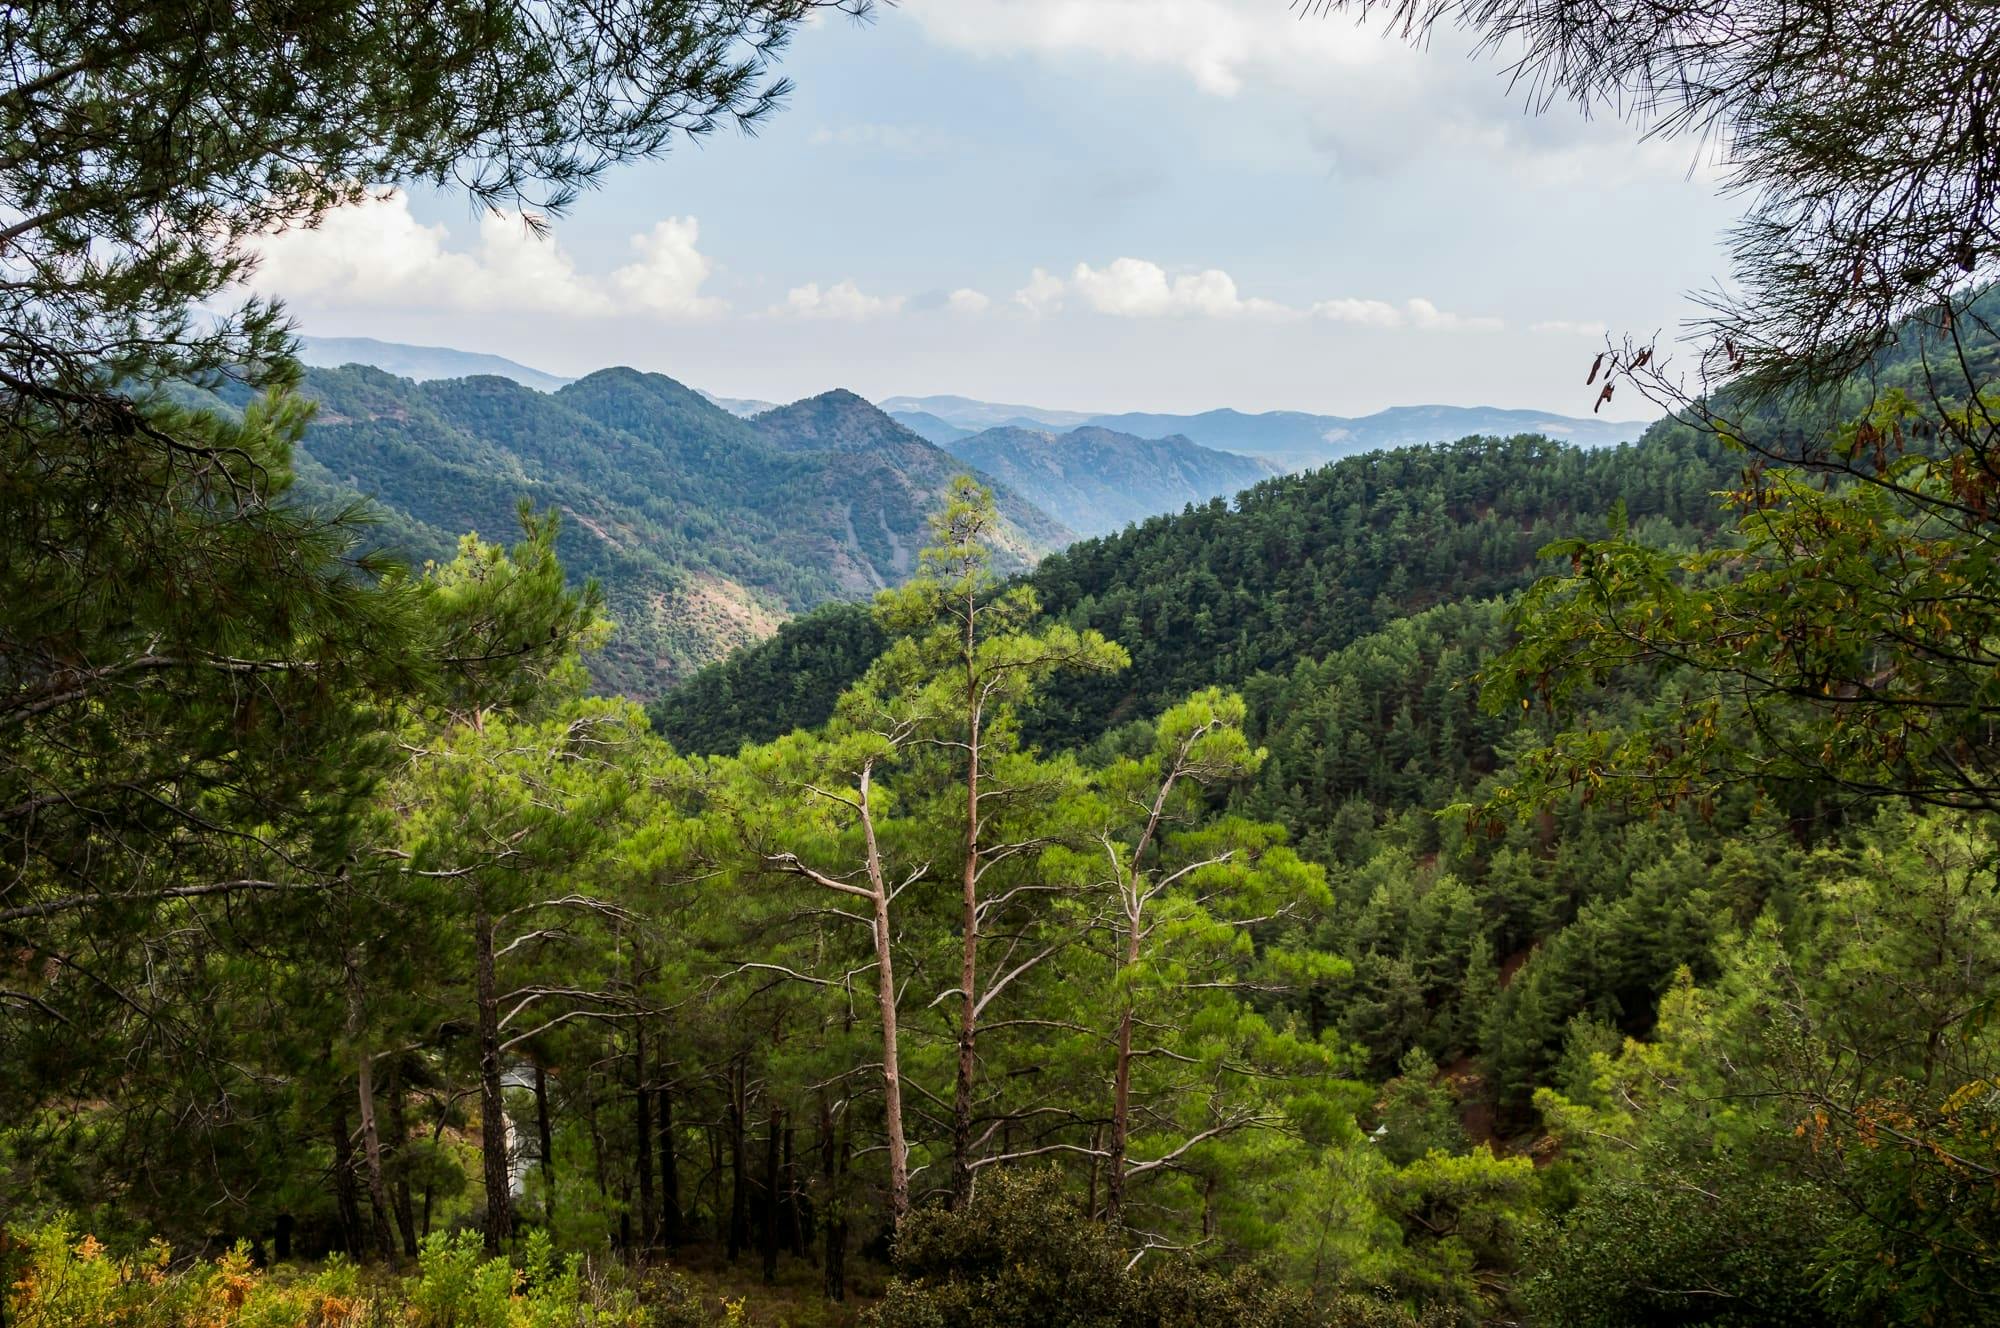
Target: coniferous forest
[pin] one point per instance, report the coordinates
(1491, 882)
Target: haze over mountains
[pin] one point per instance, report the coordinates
(420, 363)
(711, 520)
(1098, 481)
(1293, 440)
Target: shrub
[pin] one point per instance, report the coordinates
(1023, 1255)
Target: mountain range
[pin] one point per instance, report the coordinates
(705, 530)
(709, 521)
(1290, 439)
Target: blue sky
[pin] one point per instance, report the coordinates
(1097, 204)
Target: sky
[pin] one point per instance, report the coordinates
(1106, 205)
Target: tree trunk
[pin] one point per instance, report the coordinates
(1121, 1081)
(399, 1181)
(715, 1131)
(892, 1070)
(770, 1233)
(346, 1199)
(371, 1136)
(739, 1197)
(596, 1145)
(642, 1131)
(670, 1174)
(1096, 1165)
(833, 1166)
(492, 1106)
(371, 1156)
(795, 1228)
(546, 1137)
(968, 971)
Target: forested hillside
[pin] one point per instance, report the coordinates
(706, 531)
(1294, 568)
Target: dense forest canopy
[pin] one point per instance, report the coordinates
(1487, 882)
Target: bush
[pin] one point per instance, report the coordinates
(1719, 1249)
(61, 1281)
(1023, 1255)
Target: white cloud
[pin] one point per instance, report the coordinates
(1220, 44)
(668, 277)
(1368, 313)
(843, 300)
(1565, 327)
(1042, 295)
(1416, 312)
(1422, 313)
(378, 255)
(1138, 288)
(965, 300)
(1135, 288)
(1366, 99)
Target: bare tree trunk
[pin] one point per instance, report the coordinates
(739, 1197)
(371, 1156)
(642, 1130)
(885, 999)
(892, 1067)
(670, 1175)
(545, 1136)
(770, 1232)
(968, 972)
(1121, 1082)
(492, 1106)
(371, 1137)
(833, 1166)
(795, 1229)
(399, 1184)
(1096, 1163)
(1135, 888)
(596, 1145)
(714, 1131)
(346, 1200)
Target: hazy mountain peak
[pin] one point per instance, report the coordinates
(837, 420)
(1097, 480)
(420, 363)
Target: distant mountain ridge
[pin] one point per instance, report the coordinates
(973, 414)
(1097, 481)
(743, 406)
(1295, 440)
(420, 363)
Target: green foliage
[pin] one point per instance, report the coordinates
(1022, 1255)
(64, 1282)
(1720, 1245)
(1418, 1112)
(1297, 567)
(1820, 1117)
